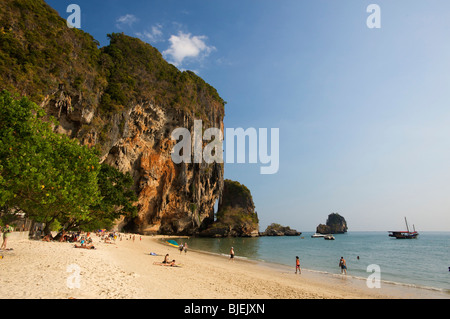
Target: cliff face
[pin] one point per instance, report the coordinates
(335, 224)
(173, 198)
(123, 99)
(236, 216)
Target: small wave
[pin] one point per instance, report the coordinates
(383, 281)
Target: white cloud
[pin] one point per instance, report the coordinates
(184, 45)
(153, 35)
(126, 20)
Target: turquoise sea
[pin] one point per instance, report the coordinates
(423, 262)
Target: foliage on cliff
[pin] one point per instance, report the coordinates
(39, 54)
(236, 214)
(137, 71)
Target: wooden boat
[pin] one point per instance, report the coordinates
(404, 234)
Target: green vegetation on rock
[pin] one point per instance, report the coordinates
(39, 54)
(236, 214)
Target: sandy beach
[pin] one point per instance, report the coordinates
(126, 270)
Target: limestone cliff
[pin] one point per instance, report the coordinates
(236, 216)
(336, 224)
(123, 99)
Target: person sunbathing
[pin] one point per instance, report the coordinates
(84, 246)
(170, 264)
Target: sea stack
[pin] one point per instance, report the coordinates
(335, 224)
(236, 216)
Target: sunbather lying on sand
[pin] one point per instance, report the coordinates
(170, 264)
(84, 246)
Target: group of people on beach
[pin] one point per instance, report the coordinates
(86, 242)
(182, 248)
(166, 262)
(298, 270)
(84, 239)
(110, 237)
(342, 264)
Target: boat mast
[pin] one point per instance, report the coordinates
(406, 224)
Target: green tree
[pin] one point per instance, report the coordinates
(46, 175)
(118, 198)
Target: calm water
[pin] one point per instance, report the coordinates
(423, 262)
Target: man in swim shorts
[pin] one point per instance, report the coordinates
(232, 254)
(343, 265)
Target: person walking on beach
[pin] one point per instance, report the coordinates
(297, 265)
(343, 265)
(180, 248)
(185, 248)
(231, 255)
(7, 230)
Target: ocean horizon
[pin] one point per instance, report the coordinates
(420, 263)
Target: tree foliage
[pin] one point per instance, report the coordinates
(118, 196)
(51, 177)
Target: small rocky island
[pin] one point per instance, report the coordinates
(236, 216)
(278, 230)
(335, 224)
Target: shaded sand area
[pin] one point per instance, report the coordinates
(36, 269)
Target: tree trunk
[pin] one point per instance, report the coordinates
(31, 232)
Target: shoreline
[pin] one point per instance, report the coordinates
(126, 270)
(389, 289)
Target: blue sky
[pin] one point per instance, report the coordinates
(363, 113)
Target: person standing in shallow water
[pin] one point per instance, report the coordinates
(297, 265)
(343, 265)
(231, 254)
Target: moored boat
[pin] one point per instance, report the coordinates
(316, 235)
(329, 237)
(400, 234)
